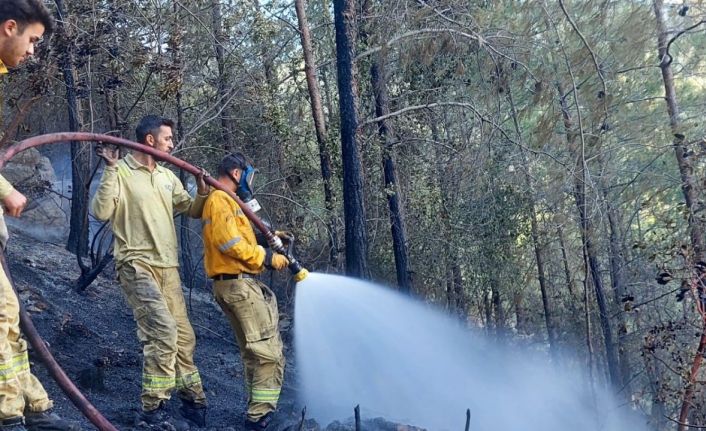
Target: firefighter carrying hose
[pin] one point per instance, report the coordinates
(140, 197)
(24, 404)
(233, 259)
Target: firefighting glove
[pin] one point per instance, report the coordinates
(275, 261)
(283, 234)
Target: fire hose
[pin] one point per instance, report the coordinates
(80, 401)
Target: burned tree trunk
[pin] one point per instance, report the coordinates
(399, 232)
(587, 234)
(317, 112)
(616, 279)
(80, 152)
(353, 203)
(175, 47)
(226, 128)
(570, 287)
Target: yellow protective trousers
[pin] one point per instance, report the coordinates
(251, 308)
(163, 328)
(19, 389)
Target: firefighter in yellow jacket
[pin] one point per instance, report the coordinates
(140, 197)
(233, 259)
(24, 404)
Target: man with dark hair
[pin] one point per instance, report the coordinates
(140, 197)
(24, 404)
(233, 259)
(26, 13)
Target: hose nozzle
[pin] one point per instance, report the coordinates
(299, 273)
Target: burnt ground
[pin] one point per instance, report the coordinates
(92, 335)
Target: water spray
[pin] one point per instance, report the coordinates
(299, 273)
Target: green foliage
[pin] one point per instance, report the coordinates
(502, 111)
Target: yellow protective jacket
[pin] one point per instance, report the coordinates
(5, 190)
(5, 186)
(141, 204)
(229, 240)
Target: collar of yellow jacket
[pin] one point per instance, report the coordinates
(134, 164)
(3, 69)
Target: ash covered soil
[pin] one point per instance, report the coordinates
(92, 336)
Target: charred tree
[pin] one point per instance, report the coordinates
(397, 223)
(81, 159)
(176, 77)
(317, 112)
(219, 38)
(570, 286)
(353, 203)
(587, 233)
(617, 263)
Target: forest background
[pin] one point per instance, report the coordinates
(536, 168)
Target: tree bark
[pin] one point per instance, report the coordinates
(689, 184)
(690, 188)
(617, 263)
(80, 152)
(353, 203)
(187, 262)
(498, 311)
(219, 40)
(392, 190)
(587, 234)
(317, 112)
(538, 251)
(488, 312)
(570, 287)
(456, 297)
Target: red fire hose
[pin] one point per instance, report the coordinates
(26, 324)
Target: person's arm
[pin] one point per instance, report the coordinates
(105, 201)
(13, 201)
(183, 202)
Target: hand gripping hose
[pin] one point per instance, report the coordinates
(298, 271)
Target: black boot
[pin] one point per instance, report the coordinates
(13, 424)
(48, 421)
(160, 416)
(259, 425)
(193, 412)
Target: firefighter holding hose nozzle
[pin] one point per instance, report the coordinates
(234, 259)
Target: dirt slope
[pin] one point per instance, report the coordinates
(93, 335)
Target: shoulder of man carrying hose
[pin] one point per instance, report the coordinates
(231, 245)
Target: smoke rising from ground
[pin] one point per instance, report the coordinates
(358, 343)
